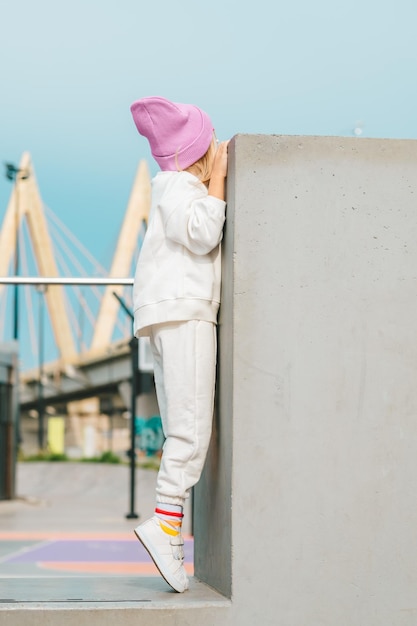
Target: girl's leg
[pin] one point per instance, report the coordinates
(185, 370)
(185, 363)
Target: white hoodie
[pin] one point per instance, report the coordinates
(179, 268)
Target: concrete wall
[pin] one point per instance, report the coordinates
(314, 457)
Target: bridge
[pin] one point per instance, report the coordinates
(74, 332)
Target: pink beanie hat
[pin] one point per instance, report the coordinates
(178, 134)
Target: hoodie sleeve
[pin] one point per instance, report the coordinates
(195, 222)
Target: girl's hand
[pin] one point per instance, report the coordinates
(220, 160)
(219, 172)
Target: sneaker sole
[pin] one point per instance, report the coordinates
(149, 547)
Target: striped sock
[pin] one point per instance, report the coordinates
(170, 517)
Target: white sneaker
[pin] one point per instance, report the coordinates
(166, 552)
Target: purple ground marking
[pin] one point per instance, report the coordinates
(91, 551)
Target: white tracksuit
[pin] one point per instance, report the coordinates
(176, 299)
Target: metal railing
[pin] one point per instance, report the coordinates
(46, 281)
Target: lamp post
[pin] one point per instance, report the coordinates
(15, 174)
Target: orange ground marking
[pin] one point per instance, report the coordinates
(142, 569)
(39, 535)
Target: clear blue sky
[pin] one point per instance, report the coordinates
(69, 72)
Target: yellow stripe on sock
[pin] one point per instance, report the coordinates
(168, 529)
(175, 523)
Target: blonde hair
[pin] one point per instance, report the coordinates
(203, 167)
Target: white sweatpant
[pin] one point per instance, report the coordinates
(185, 369)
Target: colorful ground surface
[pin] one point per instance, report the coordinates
(61, 554)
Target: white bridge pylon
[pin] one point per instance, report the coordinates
(137, 213)
(25, 204)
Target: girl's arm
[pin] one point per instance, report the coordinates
(197, 223)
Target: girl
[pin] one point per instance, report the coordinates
(176, 299)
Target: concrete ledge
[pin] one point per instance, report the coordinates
(306, 510)
(102, 600)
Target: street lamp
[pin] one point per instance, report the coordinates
(15, 174)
